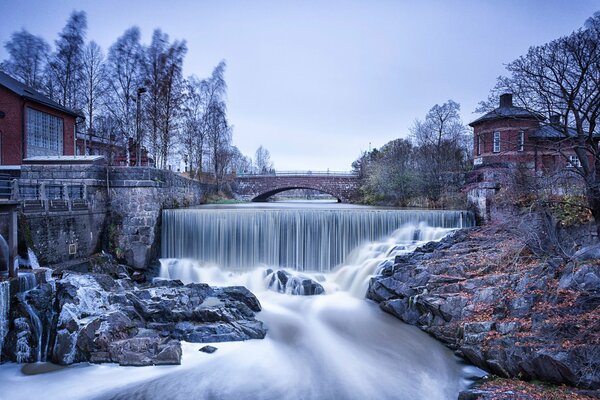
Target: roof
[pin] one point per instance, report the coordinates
(30, 94)
(507, 112)
(63, 160)
(551, 132)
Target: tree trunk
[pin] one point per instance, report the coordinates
(593, 197)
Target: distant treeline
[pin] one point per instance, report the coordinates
(425, 170)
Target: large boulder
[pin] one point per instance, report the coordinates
(105, 320)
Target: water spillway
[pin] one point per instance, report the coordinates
(313, 239)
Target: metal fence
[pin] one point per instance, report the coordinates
(300, 173)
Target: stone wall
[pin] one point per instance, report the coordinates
(72, 211)
(137, 197)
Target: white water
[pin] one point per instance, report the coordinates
(331, 346)
(314, 239)
(4, 312)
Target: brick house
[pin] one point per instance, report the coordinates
(514, 136)
(32, 124)
(512, 146)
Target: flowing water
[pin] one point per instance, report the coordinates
(331, 346)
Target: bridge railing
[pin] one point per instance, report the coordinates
(299, 173)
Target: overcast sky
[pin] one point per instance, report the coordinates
(317, 82)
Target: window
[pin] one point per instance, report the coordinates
(574, 162)
(496, 148)
(479, 145)
(521, 142)
(44, 134)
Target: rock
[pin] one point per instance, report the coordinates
(402, 309)
(588, 253)
(208, 349)
(105, 320)
(501, 312)
(295, 284)
(584, 277)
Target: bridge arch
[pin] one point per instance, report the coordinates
(342, 186)
(266, 195)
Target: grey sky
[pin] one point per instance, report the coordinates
(316, 81)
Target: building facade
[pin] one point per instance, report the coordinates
(32, 125)
(518, 151)
(512, 136)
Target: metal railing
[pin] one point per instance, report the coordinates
(299, 173)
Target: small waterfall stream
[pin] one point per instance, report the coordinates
(4, 312)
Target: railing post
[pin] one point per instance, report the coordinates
(15, 189)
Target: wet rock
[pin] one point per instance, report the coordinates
(516, 320)
(208, 349)
(107, 320)
(296, 284)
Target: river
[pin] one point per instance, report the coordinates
(331, 346)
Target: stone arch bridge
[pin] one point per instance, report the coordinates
(342, 185)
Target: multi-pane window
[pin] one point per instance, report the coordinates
(574, 162)
(44, 134)
(496, 147)
(521, 142)
(479, 145)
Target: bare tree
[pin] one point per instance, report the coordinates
(27, 58)
(94, 83)
(562, 77)
(163, 76)
(262, 160)
(441, 141)
(124, 65)
(193, 134)
(65, 64)
(239, 162)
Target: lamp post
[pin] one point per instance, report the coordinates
(138, 155)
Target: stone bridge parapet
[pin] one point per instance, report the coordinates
(343, 186)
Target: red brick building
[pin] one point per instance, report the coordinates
(511, 136)
(32, 124)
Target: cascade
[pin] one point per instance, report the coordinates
(27, 281)
(36, 324)
(301, 239)
(4, 312)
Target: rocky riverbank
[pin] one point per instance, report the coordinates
(484, 293)
(100, 318)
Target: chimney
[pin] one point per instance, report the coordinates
(555, 119)
(506, 100)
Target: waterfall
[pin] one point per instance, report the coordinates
(4, 312)
(36, 324)
(27, 281)
(301, 239)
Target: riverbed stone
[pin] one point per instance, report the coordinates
(533, 319)
(101, 319)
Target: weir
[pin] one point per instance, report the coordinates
(311, 239)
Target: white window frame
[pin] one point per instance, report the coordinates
(521, 141)
(496, 146)
(574, 162)
(479, 143)
(44, 133)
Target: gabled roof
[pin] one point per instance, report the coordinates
(507, 112)
(30, 94)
